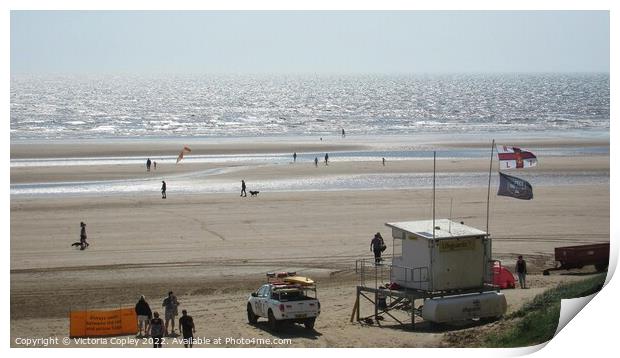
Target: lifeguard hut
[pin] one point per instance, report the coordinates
(447, 265)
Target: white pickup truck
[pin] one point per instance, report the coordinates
(285, 300)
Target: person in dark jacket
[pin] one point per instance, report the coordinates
(143, 311)
(521, 270)
(83, 243)
(377, 246)
(163, 189)
(243, 193)
(187, 328)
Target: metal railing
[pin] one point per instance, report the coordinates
(373, 274)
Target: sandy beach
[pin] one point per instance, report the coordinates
(213, 249)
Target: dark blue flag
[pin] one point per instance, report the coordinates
(514, 187)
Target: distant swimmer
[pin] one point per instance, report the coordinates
(316, 161)
(148, 165)
(243, 193)
(163, 189)
(326, 158)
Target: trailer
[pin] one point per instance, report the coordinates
(576, 257)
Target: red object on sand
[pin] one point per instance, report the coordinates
(502, 277)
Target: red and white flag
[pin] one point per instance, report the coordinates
(515, 158)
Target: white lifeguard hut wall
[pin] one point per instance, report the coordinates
(454, 258)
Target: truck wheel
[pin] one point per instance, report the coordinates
(600, 267)
(274, 325)
(309, 323)
(252, 318)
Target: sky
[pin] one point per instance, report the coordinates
(152, 42)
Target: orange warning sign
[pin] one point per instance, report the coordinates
(103, 323)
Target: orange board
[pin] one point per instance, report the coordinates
(103, 323)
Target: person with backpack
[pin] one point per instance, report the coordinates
(377, 246)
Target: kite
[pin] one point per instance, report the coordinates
(186, 149)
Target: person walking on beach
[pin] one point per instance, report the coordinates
(326, 158)
(316, 161)
(83, 243)
(243, 193)
(377, 246)
(157, 330)
(143, 311)
(521, 270)
(171, 311)
(187, 328)
(154, 165)
(163, 189)
(294, 157)
(383, 160)
(343, 135)
(148, 165)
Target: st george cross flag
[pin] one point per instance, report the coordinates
(514, 187)
(515, 158)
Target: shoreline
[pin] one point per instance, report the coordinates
(22, 149)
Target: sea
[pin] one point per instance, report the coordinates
(374, 108)
(70, 107)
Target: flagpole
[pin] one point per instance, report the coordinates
(489, 188)
(434, 155)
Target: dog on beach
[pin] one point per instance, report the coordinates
(254, 193)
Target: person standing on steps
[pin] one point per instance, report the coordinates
(377, 246)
